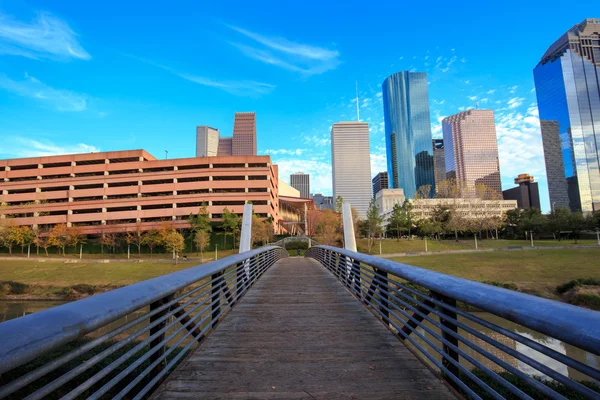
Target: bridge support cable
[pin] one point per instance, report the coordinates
(124, 342)
(431, 312)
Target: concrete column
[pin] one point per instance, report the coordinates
(210, 178)
(69, 212)
(175, 168)
(73, 164)
(4, 191)
(38, 190)
(246, 233)
(140, 158)
(105, 185)
(349, 239)
(174, 180)
(139, 208)
(139, 195)
(7, 168)
(40, 166)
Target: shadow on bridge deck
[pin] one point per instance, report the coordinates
(299, 334)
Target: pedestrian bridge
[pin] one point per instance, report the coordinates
(336, 324)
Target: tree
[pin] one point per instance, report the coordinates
(42, 240)
(373, 224)
(173, 242)
(407, 216)
(441, 217)
(202, 241)
(559, 220)
(200, 221)
(75, 237)
(396, 221)
(26, 237)
(577, 223)
(230, 225)
(339, 202)
(59, 237)
(423, 192)
(456, 222)
(532, 221)
(151, 239)
(328, 227)
(136, 237)
(111, 240)
(512, 220)
(257, 229)
(11, 236)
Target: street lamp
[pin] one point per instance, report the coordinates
(166, 154)
(531, 237)
(553, 205)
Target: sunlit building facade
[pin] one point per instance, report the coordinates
(408, 132)
(471, 151)
(351, 164)
(244, 134)
(567, 83)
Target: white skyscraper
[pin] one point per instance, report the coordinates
(351, 164)
(207, 141)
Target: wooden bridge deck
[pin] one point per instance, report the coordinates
(299, 334)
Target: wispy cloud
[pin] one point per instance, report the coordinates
(23, 147)
(472, 98)
(515, 102)
(238, 88)
(61, 100)
(295, 152)
(283, 53)
(46, 37)
(491, 91)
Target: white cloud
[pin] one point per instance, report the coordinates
(238, 88)
(296, 152)
(61, 100)
(463, 60)
(520, 144)
(472, 98)
(46, 37)
(513, 89)
(491, 91)
(316, 141)
(484, 100)
(379, 94)
(281, 52)
(319, 169)
(22, 147)
(515, 102)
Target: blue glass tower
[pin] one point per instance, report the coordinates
(408, 132)
(567, 83)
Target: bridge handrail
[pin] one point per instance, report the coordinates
(27, 337)
(427, 293)
(571, 324)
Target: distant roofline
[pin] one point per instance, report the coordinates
(562, 43)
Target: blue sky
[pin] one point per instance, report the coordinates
(79, 76)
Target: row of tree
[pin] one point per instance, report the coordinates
(167, 236)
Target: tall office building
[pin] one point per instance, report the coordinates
(526, 194)
(567, 85)
(351, 164)
(471, 150)
(439, 161)
(555, 168)
(380, 181)
(408, 132)
(207, 141)
(244, 134)
(225, 146)
(301, 181)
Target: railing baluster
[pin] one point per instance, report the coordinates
(160, 338)
(216, 302)
(451, 326)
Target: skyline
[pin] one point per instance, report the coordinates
(85, 89)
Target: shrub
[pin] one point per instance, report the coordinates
(294, 245)
(504, 285)
(85, 289)
(11, 287)
(577, 282)
(590, 301)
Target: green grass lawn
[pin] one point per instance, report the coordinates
(536, 271)
(390, 246)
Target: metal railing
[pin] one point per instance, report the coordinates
(124, 342)
(434, 314)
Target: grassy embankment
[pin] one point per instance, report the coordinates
(537, 272)
(391, 246)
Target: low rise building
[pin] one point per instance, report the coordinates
(128, 190)
(526, 194)
(470, 208)
(386, 199)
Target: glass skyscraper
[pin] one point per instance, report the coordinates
(408, 132)
(567, 83)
